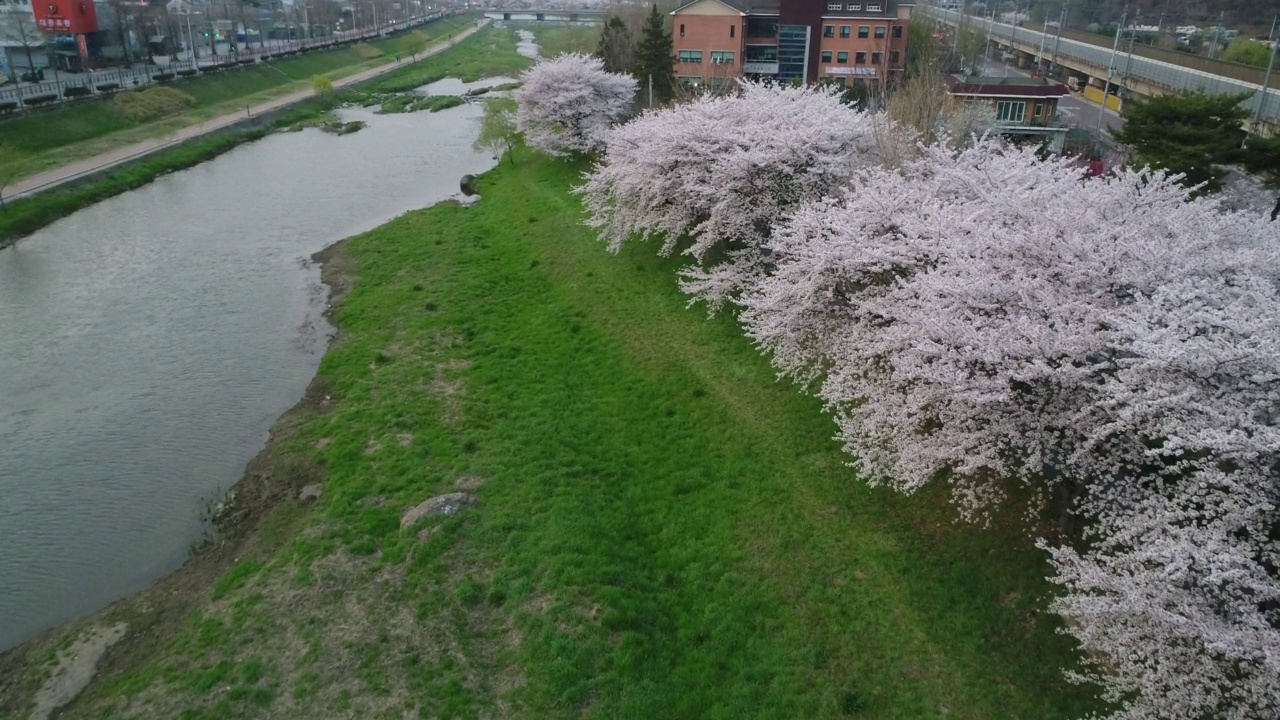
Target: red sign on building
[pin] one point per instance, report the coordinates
(73, 17)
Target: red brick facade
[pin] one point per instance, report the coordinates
(716, 40)
(709, 47)
(868, 49)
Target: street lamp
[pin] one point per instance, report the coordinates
(186, 11)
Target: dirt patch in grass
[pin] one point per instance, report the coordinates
(74, 668)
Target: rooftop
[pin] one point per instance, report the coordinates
(1006, 86)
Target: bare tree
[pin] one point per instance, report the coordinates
(26, 33)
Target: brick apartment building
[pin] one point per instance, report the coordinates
(790, 40)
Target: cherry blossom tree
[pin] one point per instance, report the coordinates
(983, 315)
(566, 104)
(719, 171)
(1176, 605)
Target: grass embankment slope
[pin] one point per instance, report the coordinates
(662, 529)
(33, 142)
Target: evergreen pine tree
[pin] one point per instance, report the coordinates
(615, 46)
(655, 58)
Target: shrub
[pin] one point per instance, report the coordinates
(108, 87)
(7, 105)
(322, 85)
(152, 103)
(40, 99)
(247, 61)
(163, 77)
(187, 72)
(75, 91)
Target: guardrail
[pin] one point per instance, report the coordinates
(16, 98)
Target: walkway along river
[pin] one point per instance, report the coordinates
(148, 342)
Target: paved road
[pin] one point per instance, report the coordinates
(1073, 109)
(66, 173)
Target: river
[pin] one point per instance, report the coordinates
(148, 342)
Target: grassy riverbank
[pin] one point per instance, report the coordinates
(556, 39)
(661, 528)
(489, 53)
(38, 141)
(26, 215)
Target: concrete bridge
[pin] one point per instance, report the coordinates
(536, 15)
(1144, 73)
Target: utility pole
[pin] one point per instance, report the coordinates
(1274, 42)
(1044, 35)
(1062, 20)
(1217, 36)
(986, 51)
(1132, 34)
(1111, 70)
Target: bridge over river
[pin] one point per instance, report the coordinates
(549, 15)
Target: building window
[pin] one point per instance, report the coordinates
(793, 53)
(689, 82)
(719, 83)
(690, 56)
(893, 57)
(879, 32)
(876, 58)
(765, 27)
(860, 59)
(835, 6)
(828, 31)
(863, 31)
(732, 29)
(721, 57)
(840, 82)
(844, 31)
(1011, 111)
(826, 56)
(853, 7)
(1039, 109)
(873, 7)
(681, 29)
(897, 31)
(842, 58)
(761, 54)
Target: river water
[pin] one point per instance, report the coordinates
(148, 342)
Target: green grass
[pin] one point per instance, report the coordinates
(303, 67)
(556, 39)
(36, 132)
(489, 53)
(231, 84)
(663, 530)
